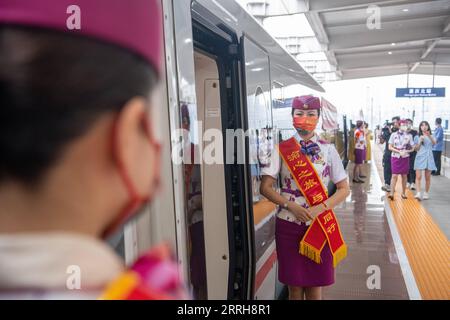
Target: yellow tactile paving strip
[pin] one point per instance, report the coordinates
(426, 246)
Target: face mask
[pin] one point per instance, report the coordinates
(136, 201)
(305, 124)
(403, 127)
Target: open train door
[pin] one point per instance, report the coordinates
(217, 209)
(258, 121)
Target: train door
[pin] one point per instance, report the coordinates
(205, 185)
(216, 211)
(261, 143)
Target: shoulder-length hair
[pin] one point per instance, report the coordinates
(420, 127)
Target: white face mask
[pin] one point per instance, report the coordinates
(403, 128)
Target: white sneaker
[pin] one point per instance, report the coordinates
(418, 196)
(408, 185)
(425, 196)
(413, 186)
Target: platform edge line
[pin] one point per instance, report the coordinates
(408, 275)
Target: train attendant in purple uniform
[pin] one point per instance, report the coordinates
(308, 239)
(360, 151)
(401, 143)
(78, 151)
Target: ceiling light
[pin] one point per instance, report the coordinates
(393, 44)
(405, 10)
(390, 52)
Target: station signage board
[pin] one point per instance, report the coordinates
(420, 92)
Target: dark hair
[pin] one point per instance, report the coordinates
(53, 87)
(409, 120)
(396, 118)
(438, 120)
(420, 127)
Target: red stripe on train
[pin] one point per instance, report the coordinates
(265, 269)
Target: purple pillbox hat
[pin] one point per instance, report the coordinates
(307, 102)
(134, 25)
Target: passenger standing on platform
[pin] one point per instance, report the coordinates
(78, 152)
(351, 143)
(438, 147)
(385, 136)
(401, 144)
(377, 134)
(306, 163)
(369, 138)
(360, 151)
(424, 163)
(412, 157)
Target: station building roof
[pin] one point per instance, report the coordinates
(367, 38)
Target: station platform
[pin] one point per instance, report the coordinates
(367, 232)
(438, 207)
(421, 226)
(406, 239)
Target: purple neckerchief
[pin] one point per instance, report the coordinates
(309, 147)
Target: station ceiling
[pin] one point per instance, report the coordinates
(368, 38)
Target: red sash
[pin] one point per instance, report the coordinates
(325, 227)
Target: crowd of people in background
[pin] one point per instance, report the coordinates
(409, 154)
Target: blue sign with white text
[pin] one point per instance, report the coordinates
(420, 92)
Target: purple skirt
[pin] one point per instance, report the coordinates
(400, 165)
(295, 269)
(360, 156)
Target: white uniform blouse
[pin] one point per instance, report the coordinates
(327, 163)
(55, 265)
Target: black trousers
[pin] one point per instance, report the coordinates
(387, 168)
(437, 160)
(412, 172)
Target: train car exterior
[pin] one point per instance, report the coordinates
(224, 73)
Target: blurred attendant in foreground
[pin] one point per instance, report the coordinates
(78, 150)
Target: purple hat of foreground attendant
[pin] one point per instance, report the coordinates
(307, 102)
(134, 25)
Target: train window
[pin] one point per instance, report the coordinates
(194, 204)
(258, 137)
(261, 143)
